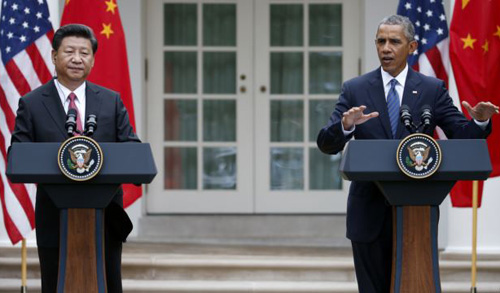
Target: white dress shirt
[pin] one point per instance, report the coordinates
(79, 101)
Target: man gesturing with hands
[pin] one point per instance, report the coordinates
(368, 108)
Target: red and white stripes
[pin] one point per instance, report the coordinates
(25, 72)
(436, 61)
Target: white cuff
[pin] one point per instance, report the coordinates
(482, 124)
(347, 132)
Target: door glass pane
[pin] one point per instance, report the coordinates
(319, 113)
(287, 25)
(180, 121)
(219, 25)
(287, 73)
(287, 121)
(325, 25)
(180, 168)
(324, 170)
(219, 120)
(219, 72)
(287, 168)
(180, 72)
(325, 72)
(179, 24)
(219, 168)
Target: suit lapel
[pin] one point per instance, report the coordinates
(377, 95)
(410, 95)
(94, 99)
(53, 104)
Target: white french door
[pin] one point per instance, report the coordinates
(305, 50)
(237, 92)
(200, 106)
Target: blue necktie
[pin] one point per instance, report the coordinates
(393, 107)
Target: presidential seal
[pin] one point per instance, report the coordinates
(80, 158)
(418, 156)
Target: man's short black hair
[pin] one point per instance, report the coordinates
(74, 30)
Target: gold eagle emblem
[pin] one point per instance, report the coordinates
(80, 158)
(419, 156)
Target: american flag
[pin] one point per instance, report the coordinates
(25, 64)
(431, 32)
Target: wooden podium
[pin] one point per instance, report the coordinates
(81, 252)
(415, 263)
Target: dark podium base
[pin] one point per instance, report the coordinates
(81, 252)
(415, 256)
(415, 263)
(82, 204)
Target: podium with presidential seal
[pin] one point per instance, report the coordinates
(415, 175)
(81, 177)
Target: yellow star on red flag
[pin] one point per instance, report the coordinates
(106, 30)
(464, 3)
(498, 32)
(111, 6)
(468, 42)
(485, 47)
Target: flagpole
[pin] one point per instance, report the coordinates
(24, 288)
(474, 235)
(24, 266)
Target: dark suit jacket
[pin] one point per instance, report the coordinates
(41, 118)
(366, 206)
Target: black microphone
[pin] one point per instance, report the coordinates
(404, 113)
(90, 125)
(70, 121)
(426, 116)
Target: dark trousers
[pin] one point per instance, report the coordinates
(49, 263)
(373, 261)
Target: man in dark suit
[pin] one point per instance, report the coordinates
(41, 117)
(369, 217)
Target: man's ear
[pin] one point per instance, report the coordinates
(413, 46)
(54, 56)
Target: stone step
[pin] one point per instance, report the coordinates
(251, 268)
(145, 262)
(139, 286)
(264, 230)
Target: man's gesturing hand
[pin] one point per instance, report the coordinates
(482, 111)
(355, 116)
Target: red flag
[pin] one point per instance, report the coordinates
(475, 58)
(25, 64)
(111, 65)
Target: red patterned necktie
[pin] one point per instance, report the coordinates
(72, 105)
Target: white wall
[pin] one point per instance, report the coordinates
(131, 12)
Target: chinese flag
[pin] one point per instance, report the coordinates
(475, 58)
(111, 65)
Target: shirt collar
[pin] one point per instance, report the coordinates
(64, 91)
(401, 78)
